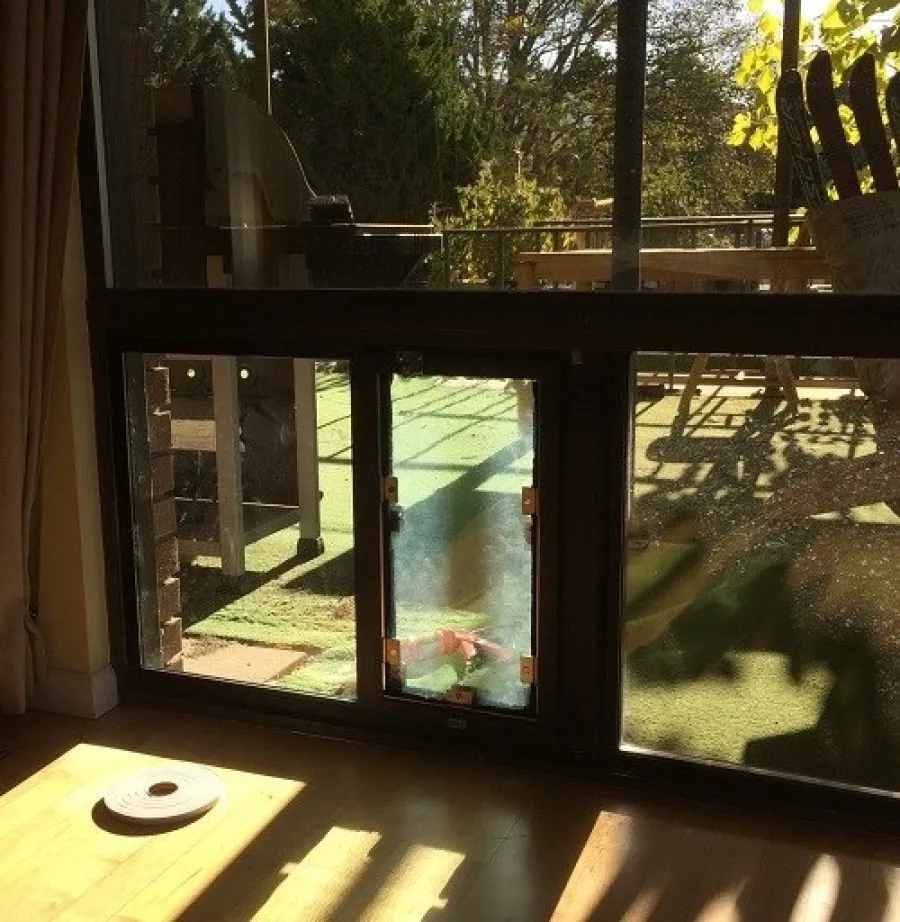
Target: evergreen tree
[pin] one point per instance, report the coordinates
(189, 43)
(371, 94)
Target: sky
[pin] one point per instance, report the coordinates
(810, 7)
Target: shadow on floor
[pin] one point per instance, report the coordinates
(451, 840)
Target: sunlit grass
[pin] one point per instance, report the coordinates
(461, 561)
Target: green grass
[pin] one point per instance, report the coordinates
(719, 680)
(716, 716)
(324, 677)
(461, 465)
(278, 610)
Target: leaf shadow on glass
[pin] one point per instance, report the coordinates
(794, 615)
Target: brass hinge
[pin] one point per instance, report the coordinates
(460, 694)
(529, 500)
(393, 652)
(528, 670)
(390, 490)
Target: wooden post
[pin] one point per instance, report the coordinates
(310, 543)
(226, 410)
(790, 53)
(162, 649)
(262, 68)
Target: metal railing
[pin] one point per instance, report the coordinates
(745, 230)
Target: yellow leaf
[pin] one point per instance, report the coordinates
(735, 137)
(832, 19)
(769, 25)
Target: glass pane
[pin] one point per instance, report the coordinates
(463, 449)
(763, 566)
(241, 496)
(228, 166)
(703, 167)
(231, 159)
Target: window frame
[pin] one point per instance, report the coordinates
(591, 337)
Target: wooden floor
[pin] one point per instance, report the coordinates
(315, 830)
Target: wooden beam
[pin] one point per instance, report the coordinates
(262, 68)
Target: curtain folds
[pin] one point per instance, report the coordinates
(42, 46)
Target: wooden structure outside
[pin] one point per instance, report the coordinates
(784, 268)
(155, 486)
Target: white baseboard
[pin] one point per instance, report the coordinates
(80, 694)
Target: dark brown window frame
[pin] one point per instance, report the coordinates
(591, 337)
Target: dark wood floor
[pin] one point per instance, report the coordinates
(313, 830)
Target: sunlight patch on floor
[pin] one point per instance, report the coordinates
(412, 889)
(315, 887)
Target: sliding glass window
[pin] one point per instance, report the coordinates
(759, 625)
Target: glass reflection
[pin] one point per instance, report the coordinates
(761, 625)
(241, 471)
(463, 449)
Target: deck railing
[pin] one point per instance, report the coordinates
(745, 230)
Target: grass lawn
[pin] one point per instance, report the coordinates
(743, 666)
(716, 715)
(782, 654)
(460, 561)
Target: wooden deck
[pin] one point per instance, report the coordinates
(316, 830)
(683, 267)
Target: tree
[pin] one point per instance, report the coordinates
(189, 43)
(371, 94)
(847, 28)
(691, 102)
(542, 75)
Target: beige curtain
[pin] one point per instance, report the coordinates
(41, 58)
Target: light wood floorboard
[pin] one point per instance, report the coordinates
(321, 831)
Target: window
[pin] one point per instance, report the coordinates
(464, 384)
